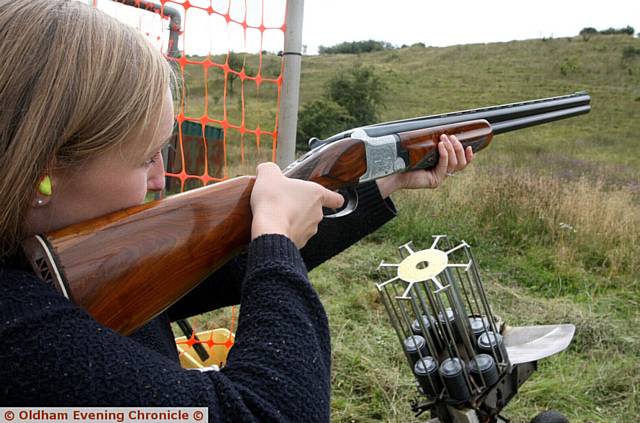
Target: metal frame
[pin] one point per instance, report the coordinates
(438, 282)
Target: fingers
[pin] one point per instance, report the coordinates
(453, 159)
(331, 200)
(460, 155)
(327, 197)
(290, 207)
(443, 163)
(267, 169)
(469, 154)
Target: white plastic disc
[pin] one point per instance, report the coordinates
(423, 265)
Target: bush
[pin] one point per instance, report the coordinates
(588, 30)
(236, 63)
(321, 118)
(568, 66)
(587, 33)
(630, 52)
(356, 47)
(352, 99)
(359, 91)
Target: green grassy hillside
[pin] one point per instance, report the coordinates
(553, 215)
(552, 212)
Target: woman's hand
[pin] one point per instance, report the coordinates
(290, 207)
(453, 158)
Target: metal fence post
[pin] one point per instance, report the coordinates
(292, 57)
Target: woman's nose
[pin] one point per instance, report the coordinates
(155, 180)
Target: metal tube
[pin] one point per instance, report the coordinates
(425, 334)
(292, 58)
(505, 111)
(393, 315)
(494, 115)
(421, 310)
(527, 121)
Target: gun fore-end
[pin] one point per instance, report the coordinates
(363, 158)
(419, 148)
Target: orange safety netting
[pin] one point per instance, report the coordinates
(228, 94)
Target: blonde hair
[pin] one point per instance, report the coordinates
(74, 82)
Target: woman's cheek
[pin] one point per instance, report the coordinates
(135, 191)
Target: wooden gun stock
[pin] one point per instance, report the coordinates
(127, 267)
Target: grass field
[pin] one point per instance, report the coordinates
(553, 215)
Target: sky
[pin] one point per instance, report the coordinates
(329, 22)
(447, 22)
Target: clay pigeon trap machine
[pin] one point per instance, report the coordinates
(467, 363)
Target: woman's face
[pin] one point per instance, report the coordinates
(111, 181)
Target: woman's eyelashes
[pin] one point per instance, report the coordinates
(152, 160)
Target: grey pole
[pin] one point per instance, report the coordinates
(292, 56)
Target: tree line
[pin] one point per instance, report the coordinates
(356, 47)
(590, 31)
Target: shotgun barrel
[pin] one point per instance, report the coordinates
(503, 118)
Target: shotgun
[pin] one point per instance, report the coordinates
(127, 267)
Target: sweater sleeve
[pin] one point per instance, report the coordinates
(223, 287)
(53, 353)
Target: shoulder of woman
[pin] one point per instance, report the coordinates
(22, 295)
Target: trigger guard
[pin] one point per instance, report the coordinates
(351, 202)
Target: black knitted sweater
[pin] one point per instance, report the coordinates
(52, 353)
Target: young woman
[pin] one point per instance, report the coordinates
(85, 109)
